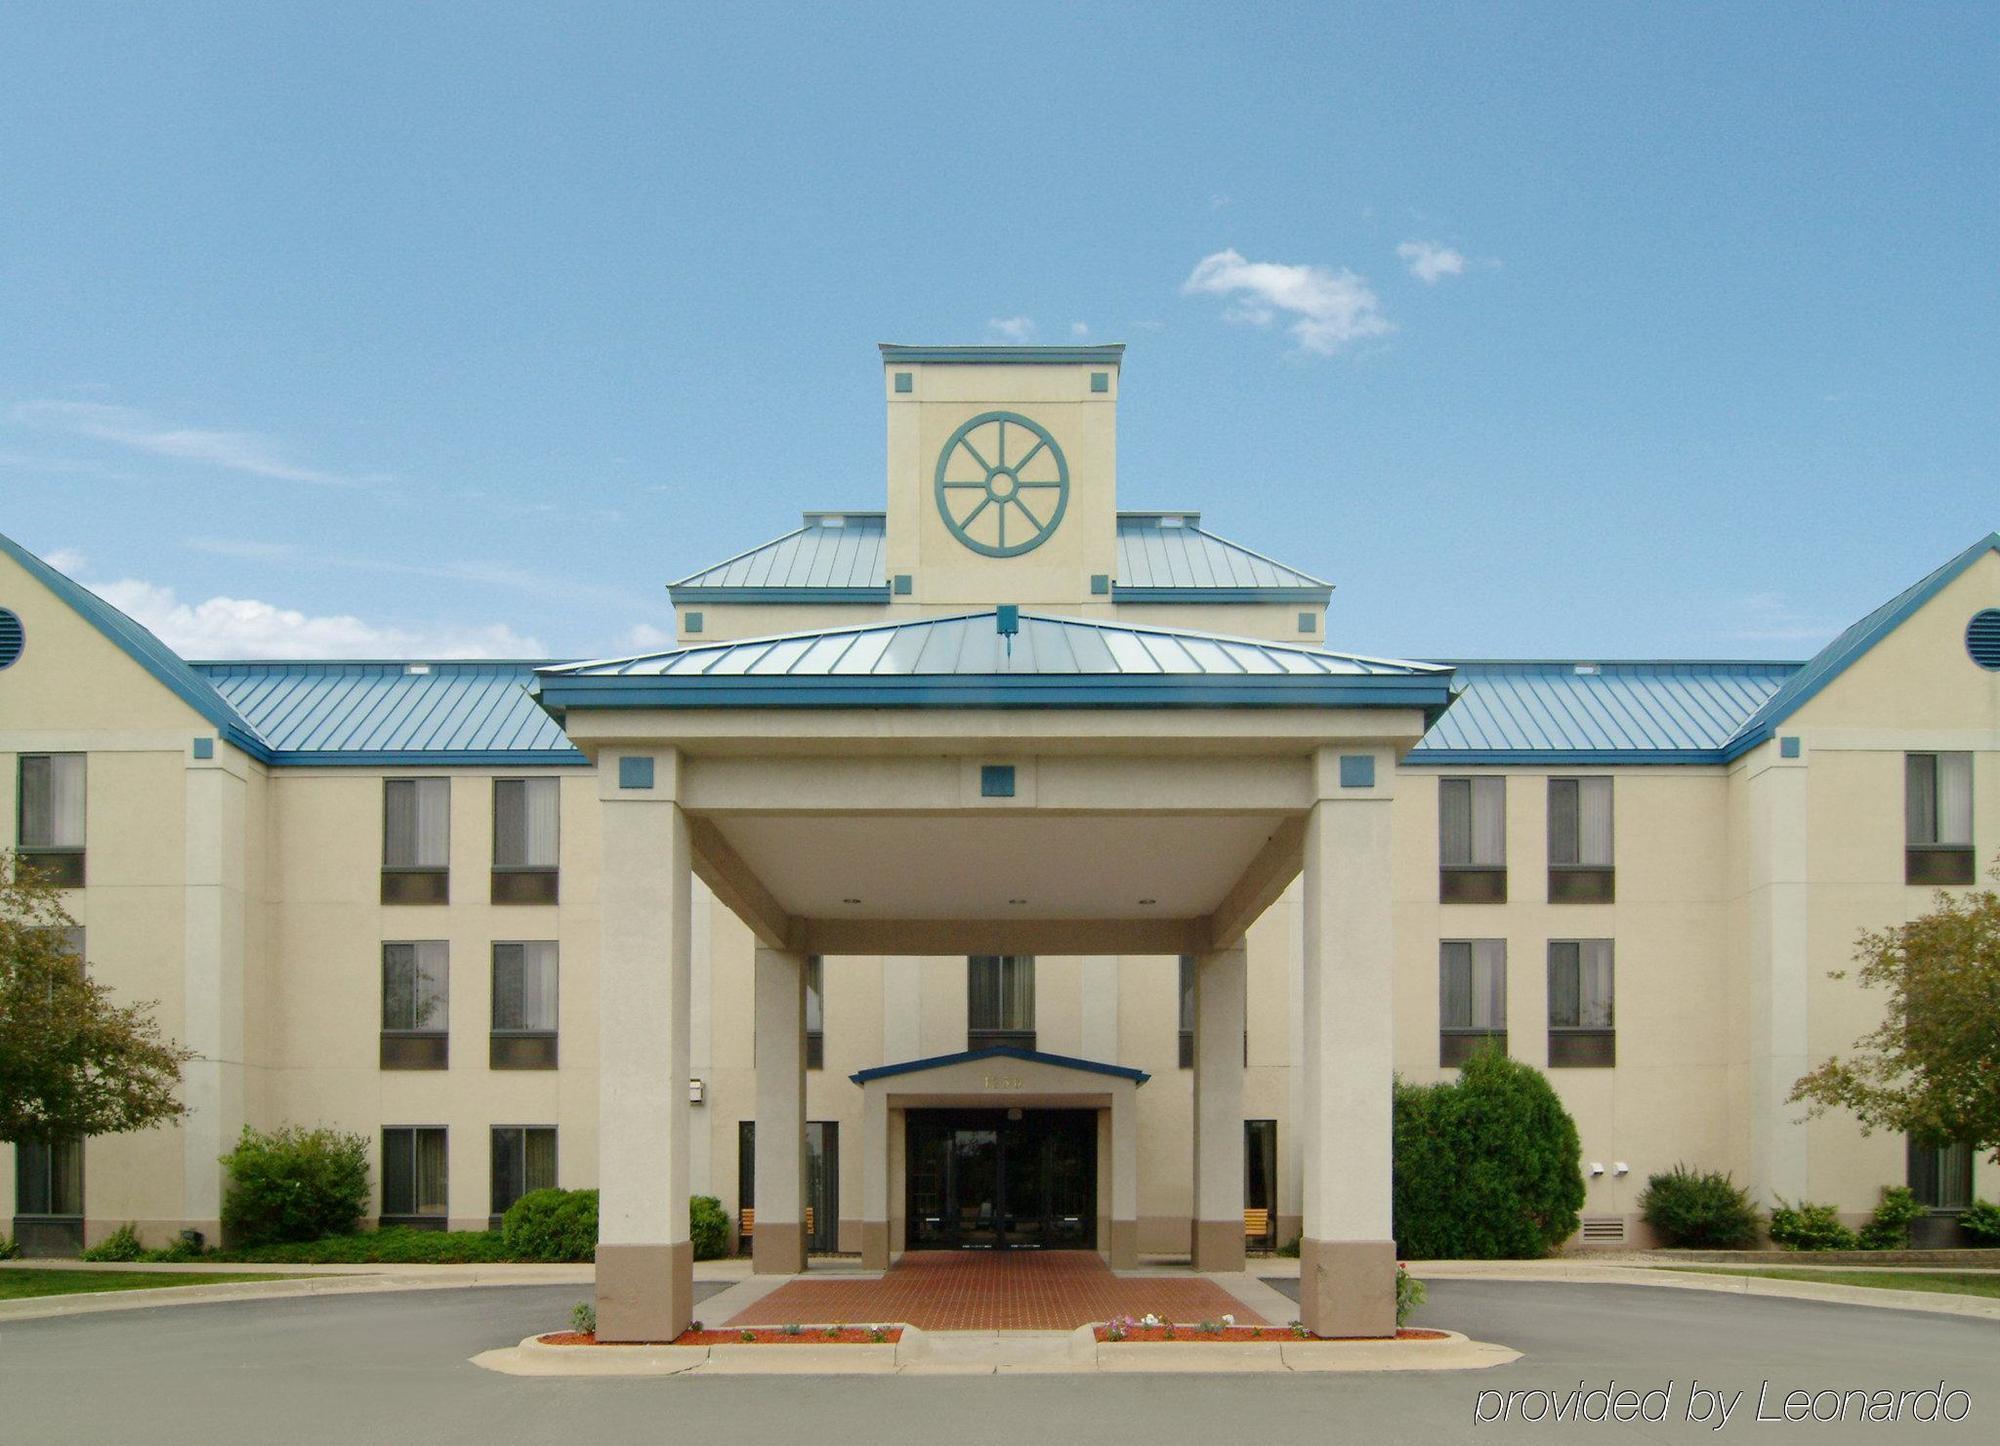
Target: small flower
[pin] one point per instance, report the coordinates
(1229, 1320)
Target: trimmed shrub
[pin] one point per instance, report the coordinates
(1890, 1227)
(708, 1227)
(10, 1248)
(120, 1245)
(1486, 1166)
(1981, 1222)
(391, 1245)
(1806, 1226)
(552, 1225)
(1410, 1294)
(1699, 1210)
(294, 1184)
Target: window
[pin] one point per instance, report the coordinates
(1580, 865)
(416, 999)
(414, 1175)
(1581, 1019)
(1941, 1175)
(525, 835)
(1472, 840)
(48, 1177)
(524, 1159)
(1260, 1184)
(50, 825)
(416, 840)
(1187, 1011)
(524, 1006)
(1000, 995)
(1937, 812)
(1472, 998)
(815, 1012)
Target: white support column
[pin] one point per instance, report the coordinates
(1780, 978)
(875, 1179)
(645, 1261)
(212, 956)
(1124, 1181)
(1220, 984)
(1347, 1257)
(778, 1244)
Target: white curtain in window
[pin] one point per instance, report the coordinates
(66, 800)
(1489, 821)
(416, 823)
(524, 985)
(1594, 984)
(430, 1173)
(1455, 985)
(1593, 822)
(541, 831)
(524, 823)
(540, 1166)
(1954, 798)
(1489, 984)
(815, 1001)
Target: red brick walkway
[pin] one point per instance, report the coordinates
(1021, 1290)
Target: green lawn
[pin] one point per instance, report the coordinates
(21, 1284)
(1943, 1282)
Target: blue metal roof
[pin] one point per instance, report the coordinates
(834, 557)
(1166, 557)
(1161, 557)
(965, 662)
(1105, 354)
(387, 712)
(142, 647)
(1617, 712)
(1833, 659)
(1000, 1051)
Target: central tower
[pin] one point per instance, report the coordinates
(1003, 474)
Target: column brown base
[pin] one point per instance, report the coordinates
(778, 1248)
(875, 1244)
(1218, 1245)
(644, 1292)
(1347, 1287)
(1124, 1245)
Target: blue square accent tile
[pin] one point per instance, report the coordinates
(903, 381)
(1308, 622)
(1100, 381)
(691, 622)
(635, 771)
(204, 748)
(1357, 770)
(1100, 584)
(902, 584)
(996, 780)
(1788, 747)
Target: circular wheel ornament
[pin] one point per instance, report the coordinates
(1002, 484)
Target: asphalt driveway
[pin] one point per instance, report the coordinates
(393, 1367)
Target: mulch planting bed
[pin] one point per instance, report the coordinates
(1246, 1334)
(748, 1336)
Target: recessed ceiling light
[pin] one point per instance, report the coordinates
(850, 901)
(1017, 901)
(1148, 901)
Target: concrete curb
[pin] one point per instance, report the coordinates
(50, 1306)
(995, 1353)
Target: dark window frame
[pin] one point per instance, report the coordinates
(512, 1047)
(25, 1153)
(1931, 863)
(415, 1046)
(1583, 1046)
(525, 883)
(999, 1032)
(416, 883)
(1458, 1043)
(1470, 880)
(65, 866)
(493, 1134)
(815, 987)
(422, 1219)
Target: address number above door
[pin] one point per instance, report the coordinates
(1002, 484)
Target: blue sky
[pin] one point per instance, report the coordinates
(1573, 330)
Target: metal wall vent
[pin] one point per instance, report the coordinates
(14, 637)
(1982, 639)
(1604, 1229)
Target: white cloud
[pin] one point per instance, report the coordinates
(1079, 329)
(134, 430)
(65, 560)
(1325, 308)
(645, 638)
(1766, 617)
(1016, 329)
(1428, 261)
(245, 547)
(227, 627)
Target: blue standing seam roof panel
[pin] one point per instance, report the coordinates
(1000, 1051)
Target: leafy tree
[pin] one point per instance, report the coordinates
(72, 1062)
(1931, 1068)
(1486, 1166)
(294, 1184)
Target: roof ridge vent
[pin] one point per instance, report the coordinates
(1586, 670)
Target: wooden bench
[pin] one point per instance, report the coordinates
(1256, 1224)
(747, 1221)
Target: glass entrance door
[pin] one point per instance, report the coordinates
(980, 1180)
